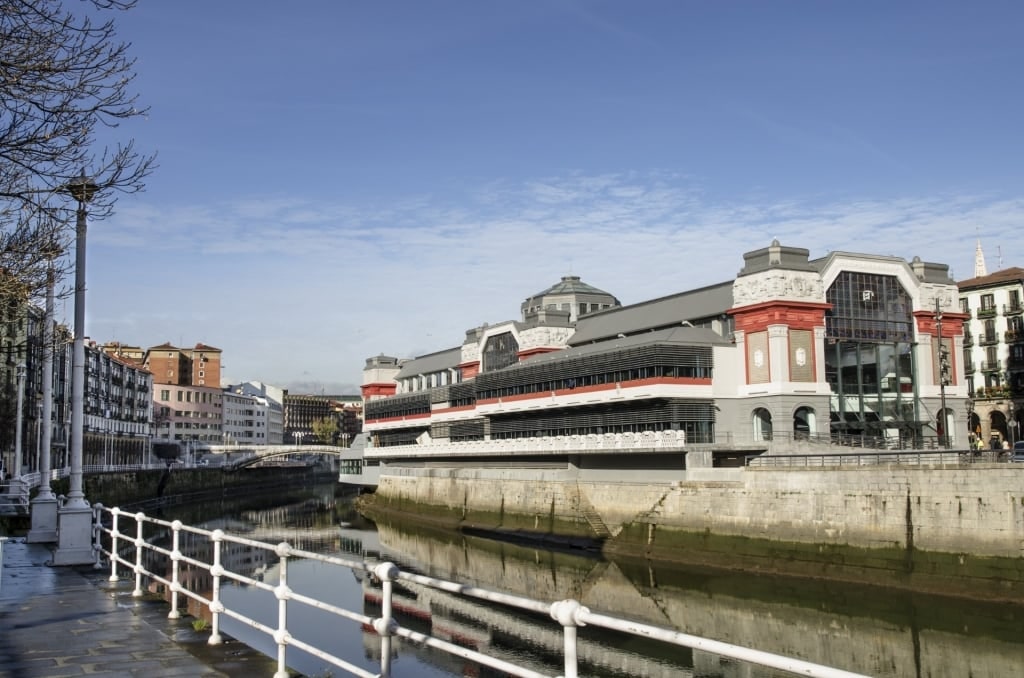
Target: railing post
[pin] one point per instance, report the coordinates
(385, 626)
(566, 613)
(140, 518)
(217, 570)
(114, 534)
(175, 568)
(283, 593)
(97, 534)
(2, 540)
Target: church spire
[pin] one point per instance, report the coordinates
(979, 262)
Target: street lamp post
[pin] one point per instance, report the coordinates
(18, 416)
(74, 518)
(943, 377)
(44, 504)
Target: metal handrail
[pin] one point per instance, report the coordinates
(904, 457)
(570, 614)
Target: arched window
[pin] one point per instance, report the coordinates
(762, 423)
(998, 425)
(944, 427)
(804, 422)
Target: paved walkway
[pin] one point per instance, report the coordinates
(71, 621)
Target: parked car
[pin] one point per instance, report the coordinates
(1018, 452)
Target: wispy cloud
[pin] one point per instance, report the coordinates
(409, 277)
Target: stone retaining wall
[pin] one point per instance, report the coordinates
(940, 523)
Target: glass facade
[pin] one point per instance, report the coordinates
(869, 360)
(500, 351)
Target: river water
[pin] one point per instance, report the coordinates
(873, 631)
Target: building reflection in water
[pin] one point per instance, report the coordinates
(869, 631)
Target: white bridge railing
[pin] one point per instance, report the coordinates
(591, 442)
(121, 537)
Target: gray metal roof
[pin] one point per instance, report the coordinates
(430, 363)
(703, 303)
(924, 271)
(570, 284)
(1007, 276)
(775, 256)
(689, 336)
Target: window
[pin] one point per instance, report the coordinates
(165, 394)
(500, 351)
(988, 302)
(990, 330)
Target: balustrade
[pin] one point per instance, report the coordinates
(133, 552)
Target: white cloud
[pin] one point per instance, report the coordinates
(287, 286)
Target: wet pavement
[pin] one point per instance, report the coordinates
(72, 621)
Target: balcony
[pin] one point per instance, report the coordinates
(969, 368)
(988, 339)
(988, 312)
(968, 340)
(992, 393)
(1014, 336)
(1013, 309)
(991, 365)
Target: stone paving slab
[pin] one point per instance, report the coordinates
(71, 621)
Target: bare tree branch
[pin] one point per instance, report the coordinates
(62, 77)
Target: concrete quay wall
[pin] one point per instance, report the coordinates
(930, 526)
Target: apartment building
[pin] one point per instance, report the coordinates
(187, 396)
(993, 353)
(245, 419)
(118, 409)
(269, 397)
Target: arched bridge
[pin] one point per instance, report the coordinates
(240, 456)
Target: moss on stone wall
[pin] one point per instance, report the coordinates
(126, 489)
(961, 574)
(540, 527)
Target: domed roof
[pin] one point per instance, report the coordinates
(570, 284)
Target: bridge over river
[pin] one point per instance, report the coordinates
(239, 456)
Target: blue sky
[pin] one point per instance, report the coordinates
(342, 179)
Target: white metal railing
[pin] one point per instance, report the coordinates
(129, 550)
(14, 495)
(904, 458)
(591, 442)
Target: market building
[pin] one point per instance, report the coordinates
(848, 349)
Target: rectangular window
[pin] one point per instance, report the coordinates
(165, 394)
(988, 302)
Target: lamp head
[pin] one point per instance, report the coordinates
(82, 188)
(51, 249)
